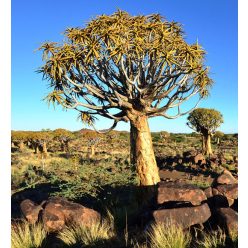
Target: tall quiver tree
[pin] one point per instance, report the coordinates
(126, 68)
(64, 137)
(205, 121)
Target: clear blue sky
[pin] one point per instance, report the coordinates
(213, 22)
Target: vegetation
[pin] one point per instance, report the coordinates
(24, 235)
(205, 121)
(168, 235)
(126, 68)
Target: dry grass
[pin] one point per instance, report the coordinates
(215, 239)
(25, 235)
(168, 236)
(97, 235)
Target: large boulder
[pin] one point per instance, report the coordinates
(179, 192)
(199, 159)
(184, 217)
(30, 210)
(226, 177)
(228, 190)
(228, 218)
(59, 212)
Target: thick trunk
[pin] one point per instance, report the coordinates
(44, 148)
(142, 153)
(207, 145)
(21, 145)
(92, 151)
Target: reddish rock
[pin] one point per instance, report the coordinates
(226, 178)
(59, 212)
(228, 218)
(228, 190)
(179, 192)
(199, 159)
(30, 210)
(208, 192)
(184, 217)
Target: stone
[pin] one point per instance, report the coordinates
(30, 210)
(185, 217)
(179, 192)
(199, 159)
(208, 192)
(226, 177)
(228, 190)
(228, 218)
(59, 212)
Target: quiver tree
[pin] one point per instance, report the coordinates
(64, 137)
(126, 68)
(92, 139)
(19, 138)
(39, 141)
(218, 135)
(205, 121)
(164, 136)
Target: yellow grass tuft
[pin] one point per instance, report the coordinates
(25, 235)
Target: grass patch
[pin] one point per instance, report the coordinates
(25, 235)
(168, 236)
(98, 234)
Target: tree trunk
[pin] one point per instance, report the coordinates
(92, 151)
(44, 148)
(203, 144)
(142, 153)
(36, 148)
(207, 144)
(21, 145)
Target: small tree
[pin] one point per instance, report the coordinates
(19, 138)
(126, 68)
(64, 137)
(218, 135)
(39, 140)
(205, 121)
(164, 136)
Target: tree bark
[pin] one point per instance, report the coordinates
(21, 145)
(44, 148)
(92, 151)
(141, 151)
(207, 145)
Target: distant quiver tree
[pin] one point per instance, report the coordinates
(126, 68)
(205, 121)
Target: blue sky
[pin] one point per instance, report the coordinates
(213, 23)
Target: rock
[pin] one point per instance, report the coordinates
(184, 217)
(175, 191)
(226, 178)
(199, 159)
(228, 218)
(208, 192)
(228, 190)
(30, 210)
(59, 212)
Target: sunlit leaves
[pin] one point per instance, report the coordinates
(205, 120)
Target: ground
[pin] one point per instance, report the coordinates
(107, 181)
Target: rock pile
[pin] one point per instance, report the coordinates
(188, 205)
(58, 212)
(181, 204)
